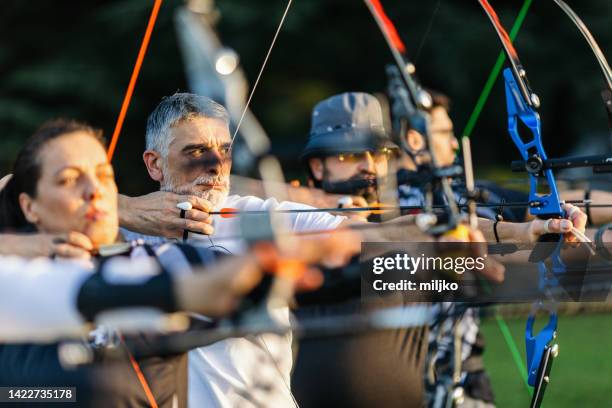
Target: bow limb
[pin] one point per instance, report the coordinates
(599, 55)
(413, 104)
(133, 79)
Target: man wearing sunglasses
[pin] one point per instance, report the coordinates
(348, 150)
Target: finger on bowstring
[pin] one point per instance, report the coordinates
(69, 251)
(553, 226)
(200, 216)
(560, 226)
(77, 239)
(195, 226)
(576, 216)
(196, 202)
(580, 236)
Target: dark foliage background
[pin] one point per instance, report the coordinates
(74, 59)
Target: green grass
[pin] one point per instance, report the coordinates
(581, 376)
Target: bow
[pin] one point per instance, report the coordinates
(409, 107)
(522, 104)
(142, 52)
(410, 103)
(606, 94)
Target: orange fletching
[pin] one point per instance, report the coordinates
(382, 208)
(229, 212)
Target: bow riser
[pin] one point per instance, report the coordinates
(532, 151)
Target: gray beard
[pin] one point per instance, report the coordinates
(215, 197)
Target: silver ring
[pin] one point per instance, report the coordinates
(184, 205)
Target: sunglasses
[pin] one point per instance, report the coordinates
(378, 155)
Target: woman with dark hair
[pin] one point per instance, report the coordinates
(70, 206)
(62, 181)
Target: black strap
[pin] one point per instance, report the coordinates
(587, 206)
(185, 231)
(97, 295)
(150, 251)
(191, 254)
(498, 218)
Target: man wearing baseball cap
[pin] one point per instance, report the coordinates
(349, 152)
(348, 149)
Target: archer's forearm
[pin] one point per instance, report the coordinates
(507, 232)
(396, 230)
(598, 215)
(10, 244)
(126, 218)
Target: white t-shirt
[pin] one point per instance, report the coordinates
(254, 370)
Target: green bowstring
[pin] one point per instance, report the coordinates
(469, 128)
(516, 355)
(486, 91)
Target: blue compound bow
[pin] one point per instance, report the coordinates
(522, 104)
(539, 348)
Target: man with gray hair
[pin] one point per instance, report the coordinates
(188, 152)
(203, 162)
